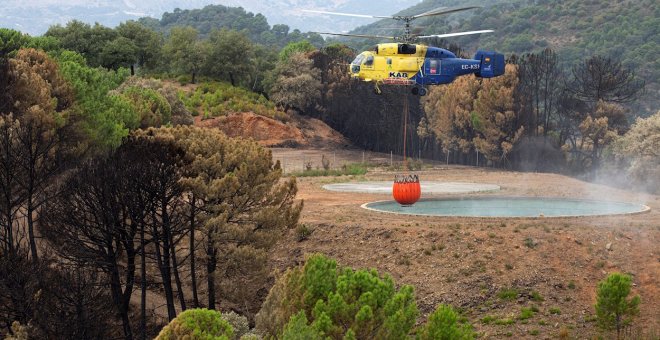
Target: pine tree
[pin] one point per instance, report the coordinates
(495, 118)
(604, 79)
(238, 204)
(449, 111)
(613, 308)
(341, 303)
(42, 136)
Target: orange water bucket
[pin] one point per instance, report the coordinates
(406, 189)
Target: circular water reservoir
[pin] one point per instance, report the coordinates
(428, 187)
(509, 207)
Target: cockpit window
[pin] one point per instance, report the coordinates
(358, 60)
(369, 61)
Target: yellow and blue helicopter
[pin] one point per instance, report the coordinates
(406, 63)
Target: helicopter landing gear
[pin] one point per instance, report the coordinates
(418, 91)
(377, 89)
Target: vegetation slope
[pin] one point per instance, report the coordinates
(625, 30)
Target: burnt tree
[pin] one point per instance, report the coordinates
(89, 224)
(601, 78)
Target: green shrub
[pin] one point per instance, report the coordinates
(488, 319)
(353, 169)
(220, 99)
(337, 303)
(444, 324)
(508, 294)
(202, 324)
(526, 313)
(613, 309)
(151, 107)
(555, 310)
(504, 322)
(536, 296)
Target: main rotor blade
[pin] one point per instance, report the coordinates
(349, 14)
(454, 34)
(444, 10)
(358, 35)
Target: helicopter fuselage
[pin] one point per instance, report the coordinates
(415, 64)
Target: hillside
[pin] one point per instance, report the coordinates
(213, 17)
(289, 12)
(625, 30)
(240, 113)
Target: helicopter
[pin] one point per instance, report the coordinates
(404, 62)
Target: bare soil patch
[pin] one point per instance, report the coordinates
(297, 131)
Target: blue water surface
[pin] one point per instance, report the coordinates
(509, 207)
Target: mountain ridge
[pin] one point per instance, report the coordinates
(36, 16)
